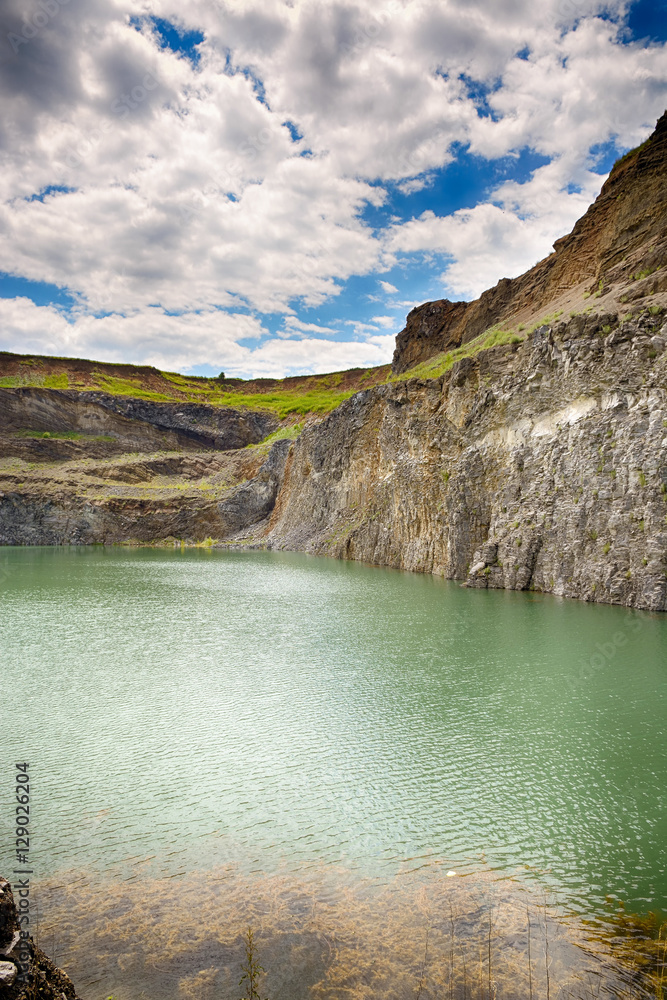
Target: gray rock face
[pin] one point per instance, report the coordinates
(539, 466)
(252, 502)
(62, 517)
(131, 424)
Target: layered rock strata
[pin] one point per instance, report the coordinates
(108, 424)
(540, 465)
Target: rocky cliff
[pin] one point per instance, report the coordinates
(538, 465)
(116, 424)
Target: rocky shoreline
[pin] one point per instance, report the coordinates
(25, 971)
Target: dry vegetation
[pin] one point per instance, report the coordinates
(332, 937)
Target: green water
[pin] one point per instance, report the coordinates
(278, 711)
(201, 722)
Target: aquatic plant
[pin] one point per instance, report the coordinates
(252, 970)
(325, 938)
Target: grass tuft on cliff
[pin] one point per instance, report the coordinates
(495, 336)
(286, 402)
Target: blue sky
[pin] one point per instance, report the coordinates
(267, 187)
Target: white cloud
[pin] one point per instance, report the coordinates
(414, 184)
(179, 342)
(501, 239)
(187, 193)
(294, 323)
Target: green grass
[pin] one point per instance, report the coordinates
(441, 363)
(320, 399)
(283, 433)
(30, 379)
(56, 381)
(495, 336)
(182, 381)
(643, 274)
(284, 402)
(64, 435)
(128, 387)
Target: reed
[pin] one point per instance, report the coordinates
(252, 970)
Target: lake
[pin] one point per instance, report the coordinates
(286, 739)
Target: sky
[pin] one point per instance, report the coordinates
(267, 187)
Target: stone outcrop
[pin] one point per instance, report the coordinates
(540, 465)
(25, 971)
(128, 424)
(622, 235)
(57, 510)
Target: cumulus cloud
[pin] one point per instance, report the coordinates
(179, 342)
(182, 197)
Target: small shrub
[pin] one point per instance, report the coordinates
(642, 478)
(252, 970)
(606, 547)
(642, 274)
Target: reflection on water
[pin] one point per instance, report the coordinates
(323, 936)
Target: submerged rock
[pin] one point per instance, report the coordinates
(25, 971)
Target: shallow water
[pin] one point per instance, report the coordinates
(184, 711)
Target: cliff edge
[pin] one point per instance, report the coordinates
(613, 253)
